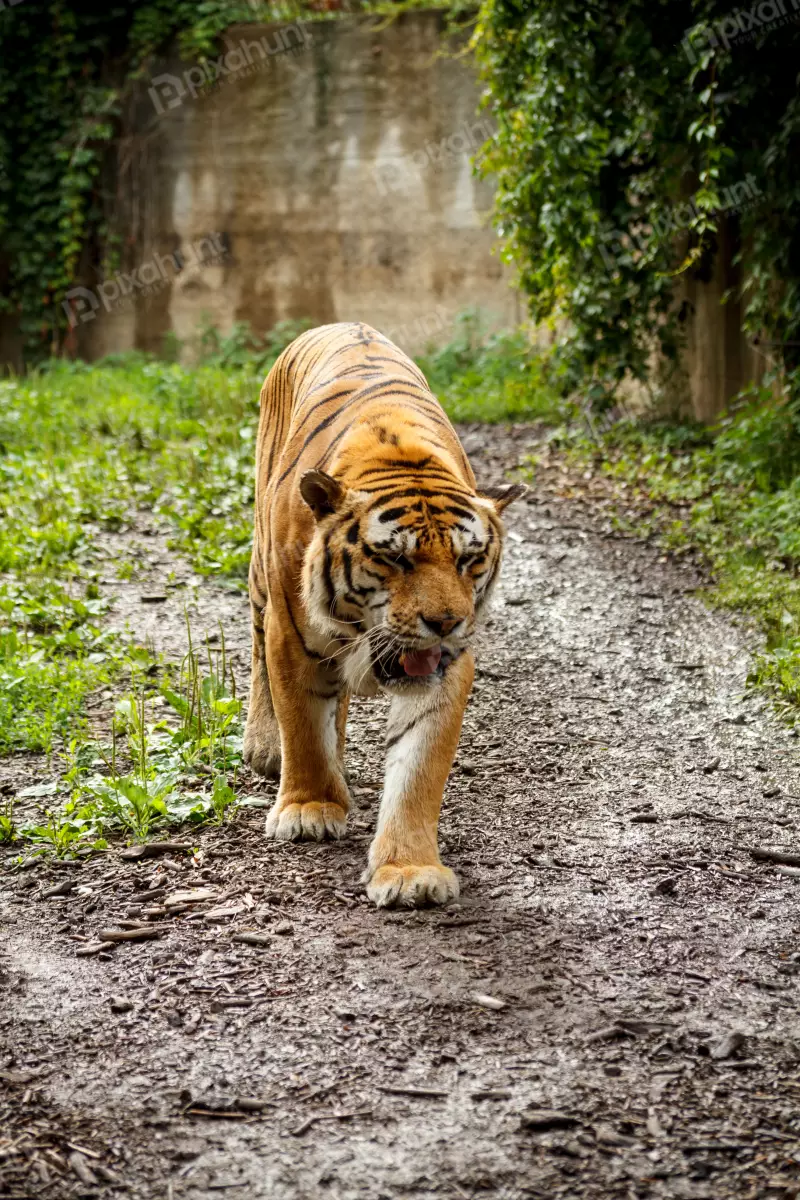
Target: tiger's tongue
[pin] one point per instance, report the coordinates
(422, 662)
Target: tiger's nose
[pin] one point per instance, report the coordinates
(441, 625)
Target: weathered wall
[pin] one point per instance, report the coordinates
(334, 174)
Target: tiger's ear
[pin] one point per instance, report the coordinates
(503, 496)
(322, 493)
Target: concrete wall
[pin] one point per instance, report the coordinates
(330, 164)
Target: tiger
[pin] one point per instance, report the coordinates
(374, 556)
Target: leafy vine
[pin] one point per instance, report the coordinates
(613, 118)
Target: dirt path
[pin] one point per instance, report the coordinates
(610, 779)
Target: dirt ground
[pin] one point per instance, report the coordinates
(610, 1011)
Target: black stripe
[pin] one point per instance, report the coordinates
(309, 653)
(361, 395)
(319, 404)
(327, 562)
(397, 737)
(349, 598)
(397, 464)
(431, 479)
(414, 404)
(347, 560)
(323, 424)
(347, 563)
(323, 462)
(392, 514)
(315, 339)
(414, 491)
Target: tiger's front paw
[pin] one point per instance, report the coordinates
(411, 886)
(310, 821)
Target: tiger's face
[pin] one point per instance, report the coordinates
(398, 582)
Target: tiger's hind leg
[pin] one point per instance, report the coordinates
(262, 738)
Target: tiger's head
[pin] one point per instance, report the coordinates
(398, 577)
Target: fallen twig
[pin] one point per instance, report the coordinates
(153, 849)
(82, 1170)
(492, 1002)
(774, 856)
(420, 1093)
(459, 924)
(215, 1112)
(700, 814)
(130, 935)
(253, 939)
(59, 889)
(89, 948)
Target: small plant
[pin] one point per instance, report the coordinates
(153, 765)
(138, 800)
(223, 799)
(206, 702)
(63, 834)
(8, 828)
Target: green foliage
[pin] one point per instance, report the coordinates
(244, 349)
(8, 828)
(490, 377)
(609, 117)
(731, 494)
(171, 755)
(82, 450)
(61, 836)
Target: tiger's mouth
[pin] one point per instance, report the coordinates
(402, 665)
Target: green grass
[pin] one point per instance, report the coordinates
(83, 450)
(730, 494)
(491, 378)
(173, 758)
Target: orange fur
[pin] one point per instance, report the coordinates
(373, 556)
